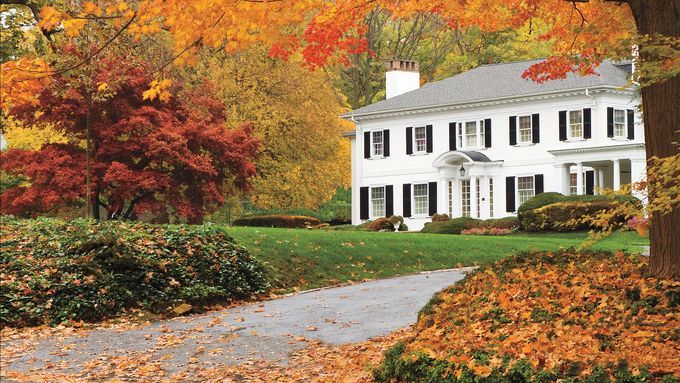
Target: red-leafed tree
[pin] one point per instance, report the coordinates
(145, 155)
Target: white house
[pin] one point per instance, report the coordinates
(482, 142)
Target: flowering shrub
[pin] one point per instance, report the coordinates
(636, 222)
(487, 231)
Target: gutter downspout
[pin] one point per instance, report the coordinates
(591, 97)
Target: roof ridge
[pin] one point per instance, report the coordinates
(513, 62)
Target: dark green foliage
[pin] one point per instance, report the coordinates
(452, 226)
(420, 368)
(440, 217)
(277, 220)
(55, 271)
(555, 212)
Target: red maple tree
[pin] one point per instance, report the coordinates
(146, 155)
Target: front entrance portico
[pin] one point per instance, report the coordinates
(467, 179)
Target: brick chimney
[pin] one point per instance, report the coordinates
(402, 76)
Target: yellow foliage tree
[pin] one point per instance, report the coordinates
(295, 113)
(19, 136)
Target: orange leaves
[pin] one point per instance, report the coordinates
(50, 18)
(21, 81)
(158, 89)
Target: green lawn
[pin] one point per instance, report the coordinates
(307, 259)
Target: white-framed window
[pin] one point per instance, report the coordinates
(420, 138)
(378, 201)
(479, 201)
(471, 134)
(491, 197)
(450, 189)
(524, 132)
(573, 188)
(619, 123)
(420, 199)
(377, 144)
(575, 124)
(525, 188)
(465, 198)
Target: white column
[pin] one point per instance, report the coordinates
(442, 195)
(561, 178)
(473, 197)
(600, 178)
(617, 174)
(638, 173)
(579, 178)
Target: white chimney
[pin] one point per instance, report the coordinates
(402, 76)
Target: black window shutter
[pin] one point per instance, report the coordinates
(386, 143)
(510, 194)
(487, 133)
(428, 135)
(590, 182)
(631, 124)
(367, 144)
(513, 130)
(610, 122)
(563, 125)
(538, 184)
(407, 200)
(587, 129)
(363, 202)
(432, 197)
(535, 128)
(389, 200)
(452, 136)
(409, 140)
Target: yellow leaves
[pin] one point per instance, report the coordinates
(73, 27)
(32, 138)
(102, 87)
(90, 8)
(158, 89)
(50, 18)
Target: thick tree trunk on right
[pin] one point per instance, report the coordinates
(661, 111)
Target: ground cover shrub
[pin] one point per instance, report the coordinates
(451, 226)
(546, 317)
(487, 231)
(277, 220)
(53, 271)
(385, 224)
(511, 223)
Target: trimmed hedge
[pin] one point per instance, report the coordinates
(277, 220)
(53, 271)
(556, 212)
(451, 226)
(510, 223)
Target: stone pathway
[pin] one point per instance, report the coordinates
(269, 330)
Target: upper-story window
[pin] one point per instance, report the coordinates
(377, 144)
(420, 138)
(471, 134)
(619, 123)
(575, 124)
(525, 130)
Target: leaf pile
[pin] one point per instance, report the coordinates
(53, 271)
(547, 317)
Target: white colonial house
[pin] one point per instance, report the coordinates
(482, 142)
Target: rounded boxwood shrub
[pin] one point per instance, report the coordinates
(378, 224)
(451, 226)
(277, 220)
(54, 271)
(440, 217)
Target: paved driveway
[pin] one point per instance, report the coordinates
(268, 330)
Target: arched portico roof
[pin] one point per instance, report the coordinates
(465, 156)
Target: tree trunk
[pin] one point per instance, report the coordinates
(661, 111)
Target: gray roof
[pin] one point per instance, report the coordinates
(490, 82)
(475, 156)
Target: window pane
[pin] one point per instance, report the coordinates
(420, 199)
(576, 123)
(421, 139)
(471, 134)
(525, 188)
(378, 143)
(491, 197)
(525, 129)
(619, 122)
(465, 198)
(378, 201)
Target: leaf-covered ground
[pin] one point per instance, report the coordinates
(557, 315)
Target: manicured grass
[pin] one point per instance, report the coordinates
(307, 259)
